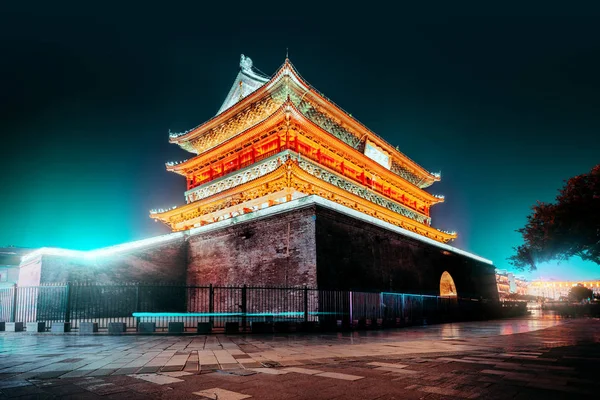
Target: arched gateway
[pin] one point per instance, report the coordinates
(447, 286)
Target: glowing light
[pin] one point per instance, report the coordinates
(174, 135)
(447, 232)
(171, 163)
(175, 314)
(102, 252)
(265, 211)
(407, 294)
(376, 154)
(221, 314)
(162, 210)
(447, 286)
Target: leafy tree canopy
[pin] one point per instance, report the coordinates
(579, 292)
(566, 228)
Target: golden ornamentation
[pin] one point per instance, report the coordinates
(317, 151)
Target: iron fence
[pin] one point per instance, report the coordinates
(134, 303)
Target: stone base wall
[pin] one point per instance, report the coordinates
(308, 244)
(159, 264)
(355, 255)
(274, 251)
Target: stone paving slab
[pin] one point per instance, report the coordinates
(370, 365)
(221, 394)
(303, 370)
(337, 375)
(270, 371)
(176, 374)
(159, 379)
(388, 365)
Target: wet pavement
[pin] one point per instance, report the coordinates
(533, 357)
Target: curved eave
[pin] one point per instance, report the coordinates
(275, 117)
(436, 200)
(359, 126)
(412, 188)
(429, 182)
(173, 168)
(297, 115)
(303, 176)
(286, 69)
(166, 215)
(226, 114)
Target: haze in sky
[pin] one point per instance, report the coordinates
(506, 107)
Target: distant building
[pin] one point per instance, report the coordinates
(522, 286)
(517, 284)
(554, 290)
(503, 283)
(509, 284)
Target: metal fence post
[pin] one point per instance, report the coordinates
(68, 304)
(244, 305)
(211, 304)
(402, 316)
(305, 304)
(138, 305)
(13, 316)
(351, 309)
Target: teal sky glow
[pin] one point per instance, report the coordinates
(505, 107)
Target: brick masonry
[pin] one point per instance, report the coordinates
(164, 264)
(352, 254)
(308, 245)
(278, 250)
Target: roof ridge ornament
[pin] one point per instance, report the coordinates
(245, 63)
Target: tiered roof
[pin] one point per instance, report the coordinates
(286, 83)
(277, 138)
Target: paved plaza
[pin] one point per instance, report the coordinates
(533, 357)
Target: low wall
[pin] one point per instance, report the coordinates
(159, 263)
(355, 255)
(308, 243)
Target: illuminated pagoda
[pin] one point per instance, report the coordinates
(287, 189)
(277, 139)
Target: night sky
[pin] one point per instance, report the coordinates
(505, 106)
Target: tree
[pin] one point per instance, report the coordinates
(579, 292)
(569, 227)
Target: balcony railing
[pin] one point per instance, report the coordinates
(368, 182)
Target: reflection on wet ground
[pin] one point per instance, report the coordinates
(538, 356)
(459, 330)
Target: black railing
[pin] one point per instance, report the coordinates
(135, 303)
